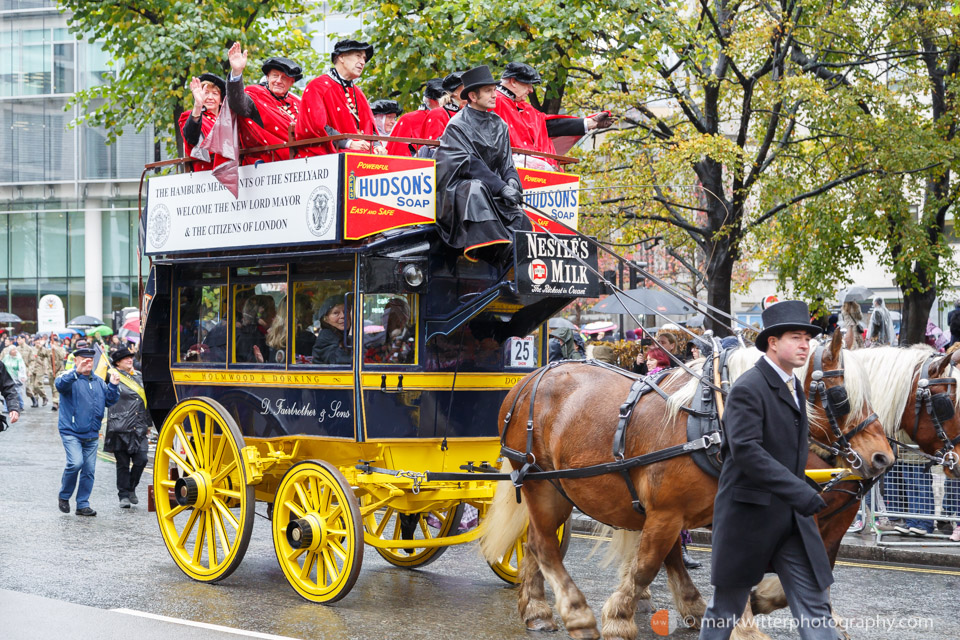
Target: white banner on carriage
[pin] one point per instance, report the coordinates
(279, 203)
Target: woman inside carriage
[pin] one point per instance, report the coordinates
(329, 347)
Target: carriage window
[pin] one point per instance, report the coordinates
(202, 324)
(483, 345)
(390, 329)
(260, 332)
(323, 312)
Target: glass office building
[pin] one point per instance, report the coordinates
(68, 202)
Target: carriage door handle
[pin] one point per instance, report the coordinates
(400, 384)
(383, 383)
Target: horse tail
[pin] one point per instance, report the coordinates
(506, 520)
(623, 547)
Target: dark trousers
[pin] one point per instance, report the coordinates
(128, 477)
(809, 604)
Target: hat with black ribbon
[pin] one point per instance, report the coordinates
(521, 72)
(216, 81)
(452, 81)
(788, 315)
(434, 89)
(120, 354)
(476, 78)
(346, 46)
(285, 66)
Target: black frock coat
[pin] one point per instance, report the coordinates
(762, 485)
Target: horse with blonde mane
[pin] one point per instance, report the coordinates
(893, 375)
(577, 411)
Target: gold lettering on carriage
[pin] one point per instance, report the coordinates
(335, 412)
(281, 408)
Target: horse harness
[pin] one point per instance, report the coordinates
(940, 408)
(529, 468)
(836, 405)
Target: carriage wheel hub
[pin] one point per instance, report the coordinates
(192, 490)
(307, 532)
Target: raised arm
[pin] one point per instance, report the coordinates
(240, 103)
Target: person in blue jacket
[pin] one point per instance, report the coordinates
(83, 399)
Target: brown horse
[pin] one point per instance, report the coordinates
(893, 375)
(576, 413)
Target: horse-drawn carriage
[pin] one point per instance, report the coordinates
(380, 429)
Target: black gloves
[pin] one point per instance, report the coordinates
(814, 506)
(511, 193)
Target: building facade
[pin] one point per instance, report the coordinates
(68, 202)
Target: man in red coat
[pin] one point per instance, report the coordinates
(529, 128)
(437, 119)
(333, 104)
(208, 93)
(264, 111)
(410, 124)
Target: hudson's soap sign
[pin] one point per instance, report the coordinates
(564, 266)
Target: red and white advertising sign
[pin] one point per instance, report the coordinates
(557, 194)
(387, 192)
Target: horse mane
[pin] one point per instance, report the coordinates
(891, 371)
(738, 362)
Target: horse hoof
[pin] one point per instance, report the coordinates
(584, 634)
(542, 624)
(644, 606)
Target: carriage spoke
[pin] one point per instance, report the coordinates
(384, 521)
(296, 553)
(198, 541)
(326, 498)
(180, 461)
(336, 514)
(167, 484)
(230, 493)
(224, 472)
(330, 567)
(301, 494)
(211, 538)
(187, 528)
(198, 439)
(338, 549)
(289, 504)
(307, 564)
(208, 442)
(423, 527)
(177, 510)
(222, 508)
(187, 448)
(221, 531)
(218, 458)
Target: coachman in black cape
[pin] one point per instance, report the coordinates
(474, 166)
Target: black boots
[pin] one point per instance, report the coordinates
(688, 560)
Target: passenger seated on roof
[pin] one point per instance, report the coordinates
(329, 349)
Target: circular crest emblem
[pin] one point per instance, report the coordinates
(320, 206)
(538, 272)
(159, 224)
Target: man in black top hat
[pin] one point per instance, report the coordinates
(763, 512)
(478, 188)
(410, 125)
(529, 127)
(385, 114)
(266, 110)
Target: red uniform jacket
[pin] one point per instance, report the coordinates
(325, 105)
(435, 123)
(206, 124)
(276, 114)
(408, 126)
(527, 125)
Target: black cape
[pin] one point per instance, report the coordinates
(474, 163)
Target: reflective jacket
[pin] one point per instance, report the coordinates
(83, 400)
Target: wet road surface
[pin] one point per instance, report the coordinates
(51, 561)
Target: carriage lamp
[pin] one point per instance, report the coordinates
(413, 275)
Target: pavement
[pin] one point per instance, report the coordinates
(855, 546)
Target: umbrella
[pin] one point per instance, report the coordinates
(133, 324)
(66, 333)
(102, 330)
(562, 323)
(855, 293)
(599, 327)
(9, 317)
(695, 321)
(86, 321)
(643, 301)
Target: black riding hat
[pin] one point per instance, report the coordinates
(476, 78)
(120, 354)
(217, 81)
(789, 315)
(522, 73)
(346, 46)
(452, 81)
(285, 66)
(434, 89)
(385, 106)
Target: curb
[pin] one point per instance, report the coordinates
(870, 553)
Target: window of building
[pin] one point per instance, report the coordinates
(202, 324)
(52, 256)
(23, 245)
(390, 329)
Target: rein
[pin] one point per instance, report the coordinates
(836, 406)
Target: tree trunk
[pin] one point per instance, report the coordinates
(720, 277)
(916, 310)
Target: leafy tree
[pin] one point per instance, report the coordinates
(159, 45)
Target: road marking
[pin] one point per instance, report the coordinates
(203, 625)
(844, 563)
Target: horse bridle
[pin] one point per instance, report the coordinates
(836, 404)
(939, 406)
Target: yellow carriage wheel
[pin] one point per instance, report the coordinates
(204, 507)
(390, 524)
(318, 531)
(508, 567)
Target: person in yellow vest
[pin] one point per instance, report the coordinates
(128, 423)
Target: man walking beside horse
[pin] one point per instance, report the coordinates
(763, 512)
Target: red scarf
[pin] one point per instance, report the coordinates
(207, 119)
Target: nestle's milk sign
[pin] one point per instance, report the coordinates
(386, 192)
(556, 194)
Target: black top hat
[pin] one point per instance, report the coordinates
(434, 89)
(120, 354)
(217, 82)
(789, 315)
(346, 46)
(476, 78)
(522, 73)
(385, 106)
(452, 81)
(285, 66)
